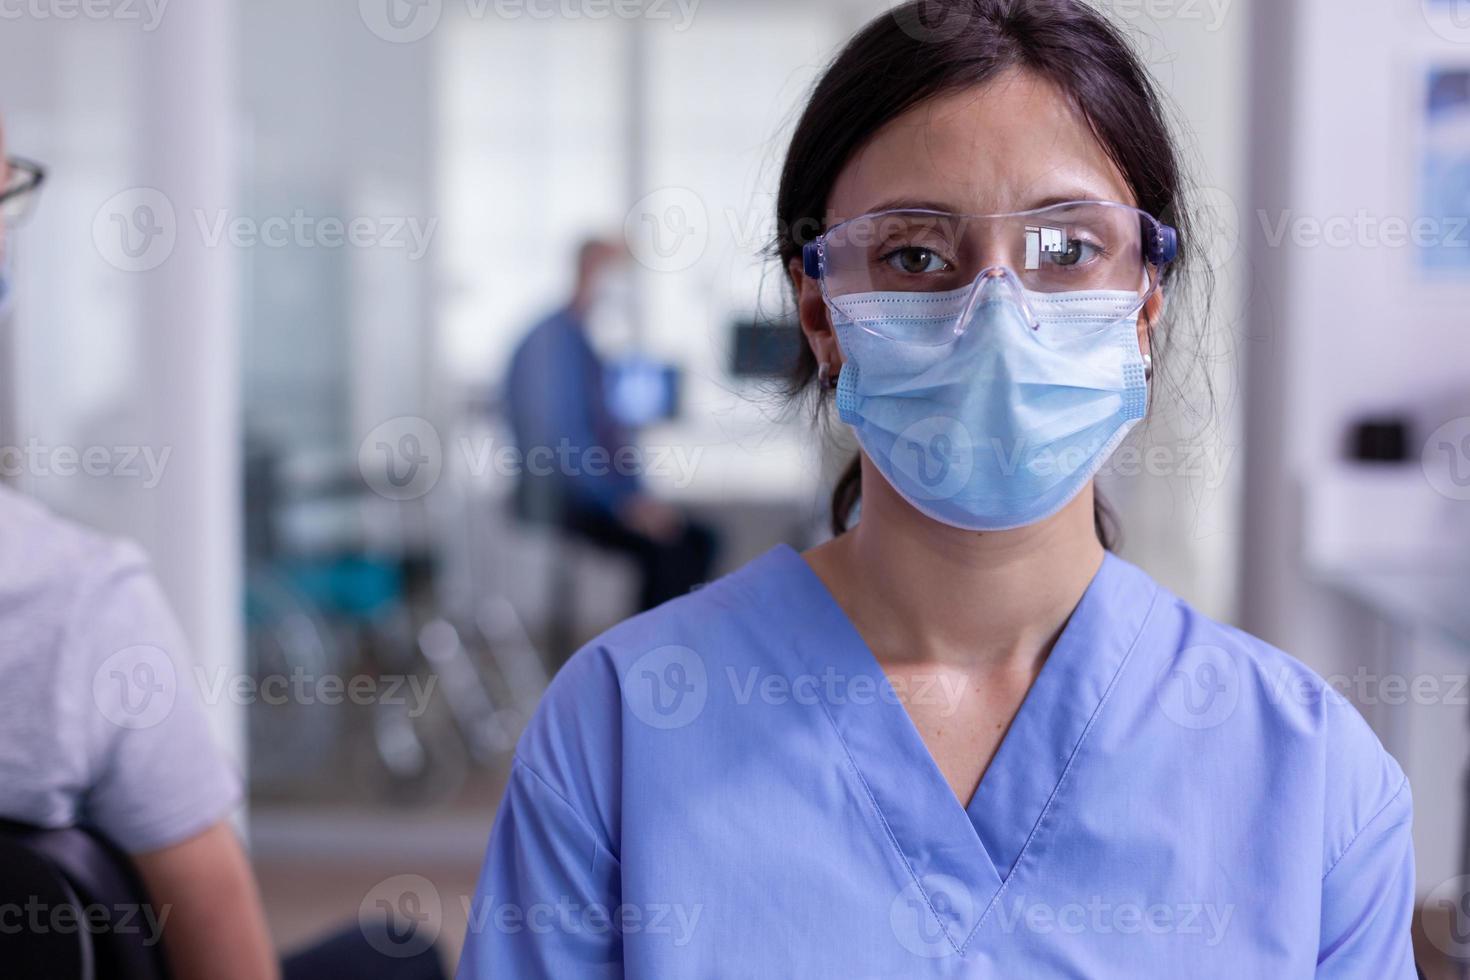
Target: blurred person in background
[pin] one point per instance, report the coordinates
(573, 448)
(82, 619)
(101, 727)
(962, 737)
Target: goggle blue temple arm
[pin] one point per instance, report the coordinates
(1161, 249)
(811, 259)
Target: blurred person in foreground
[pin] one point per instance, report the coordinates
(101, 727)
(79, 614)
(571, 443)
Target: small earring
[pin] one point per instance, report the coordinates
(824, 376)
(1148, 367)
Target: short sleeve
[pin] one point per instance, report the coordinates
(155, 776)
(1368, 899)
(547, 901)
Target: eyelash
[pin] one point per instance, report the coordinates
(887, 256)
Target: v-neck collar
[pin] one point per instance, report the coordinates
(978, 846)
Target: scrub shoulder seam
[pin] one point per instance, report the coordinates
(591, 832)
(1366, 824)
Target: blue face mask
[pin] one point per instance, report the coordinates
(1005, 424)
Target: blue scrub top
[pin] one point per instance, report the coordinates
(728, 786)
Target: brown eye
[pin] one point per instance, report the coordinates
(916, 261)
(1077, 251)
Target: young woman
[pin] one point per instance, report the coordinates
(961, 738)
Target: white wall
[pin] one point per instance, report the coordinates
(340, 125)
(1338, 332)
(1178, 498)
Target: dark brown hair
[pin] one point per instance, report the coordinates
(927, 48)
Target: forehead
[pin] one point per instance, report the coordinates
(1008, 145)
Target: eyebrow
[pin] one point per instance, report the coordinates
(912, 204)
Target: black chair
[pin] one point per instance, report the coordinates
(71, 905)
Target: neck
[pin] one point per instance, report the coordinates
(921, 590)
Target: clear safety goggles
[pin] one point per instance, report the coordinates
(1076, 247)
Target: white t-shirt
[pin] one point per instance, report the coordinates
(100, 720)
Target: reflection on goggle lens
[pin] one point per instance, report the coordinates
(1067, 247)
(1110, 255)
